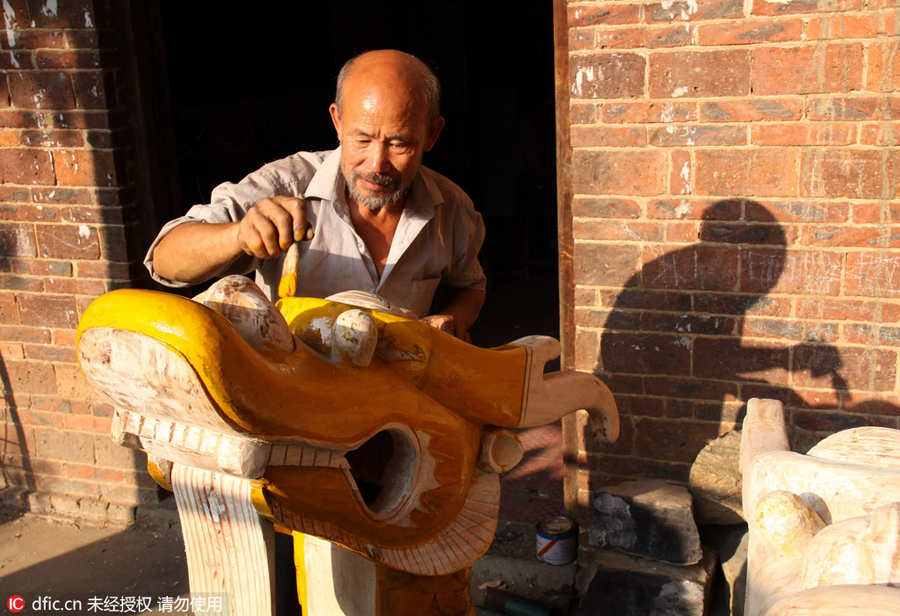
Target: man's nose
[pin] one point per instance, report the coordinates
(379, 159)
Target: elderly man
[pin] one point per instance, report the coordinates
(376, 219)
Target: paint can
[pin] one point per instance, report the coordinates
(557, 540)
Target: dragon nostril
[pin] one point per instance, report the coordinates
(383, 469)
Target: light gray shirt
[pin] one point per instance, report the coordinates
(436, 242)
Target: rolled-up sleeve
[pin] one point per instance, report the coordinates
(230, 202)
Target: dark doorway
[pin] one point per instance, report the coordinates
(251, 86)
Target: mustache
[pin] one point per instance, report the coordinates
(382, 179)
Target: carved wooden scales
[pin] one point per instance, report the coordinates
(347, 423)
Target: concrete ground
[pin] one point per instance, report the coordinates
(52, 565)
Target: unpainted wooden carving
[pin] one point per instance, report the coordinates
(335, 418)
(825, 526)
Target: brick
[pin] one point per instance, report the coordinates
(19, 166)
(609, 13)
(698, 267)
(61, 196)
(60, 406)
(67, 59)
(90, 90)
(879, 135)
(69, 286)
(883, 73)
(17, 283)
(749, 31)
(872, 273)
(605, 208)
(640, 299)
(772, 328)
(102, 269)
(17, 241)
(73, 14)
(693, 135)
(837, 236)
(775, 7)
(821, 421)
(606, 136)
(620, 38)
(681, 233)
(61, 241)
(604, 264)
(810, 211)
(805, 272)
(30, 213)
(699, 74)
(640, 112)
(770, 172)
(849, 26)
(82, 120)
(619, 172)
(693, 11)
(671, 440)
(607, 75)
(52, 139)
(805, 69)
(692, 389)
(85, 167)
(51, 353)
(675, 209)
(731, 359)
(803, 134)
(583, 113)
(34, 267)
(47, 311)
(71, 382)
(844, 68)
(41, 90)
(39, 39)
(28, 377)
(582, 40)
(680, 177)
(847, 173)
(641, 353)
(847, 108)
(8, 313)
(37, 335)
(607, 230)
(741, 304)
(13, 193)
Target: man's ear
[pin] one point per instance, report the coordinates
(434, 132)
(335, 119)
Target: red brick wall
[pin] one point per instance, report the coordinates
(731, 179)
(65, 205)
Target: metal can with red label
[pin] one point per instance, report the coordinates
(557, 541)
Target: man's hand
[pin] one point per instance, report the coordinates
(272, 225)
(444, 322)
(459, 313)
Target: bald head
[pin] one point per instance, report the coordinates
(397, 68)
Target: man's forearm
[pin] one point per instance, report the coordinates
(464, 305)
(195, 251)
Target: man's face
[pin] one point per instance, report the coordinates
(384, 133)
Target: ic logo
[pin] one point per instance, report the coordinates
(16, 604)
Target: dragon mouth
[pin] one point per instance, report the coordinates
(382, 470)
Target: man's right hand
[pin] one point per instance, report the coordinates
(196, 251)
(272, 225)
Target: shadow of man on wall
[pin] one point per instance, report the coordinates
(673, 349)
